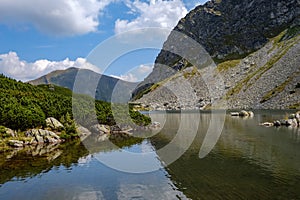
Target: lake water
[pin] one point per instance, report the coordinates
(247, 162)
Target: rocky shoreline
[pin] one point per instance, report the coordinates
(266, 79)
(292, 120)
(54, 134)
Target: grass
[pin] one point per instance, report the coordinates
(285, 46)
(224, 66)
(294, 106)
(192, 73)
(291, 32)
(275, 91)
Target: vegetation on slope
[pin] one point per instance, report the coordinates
(24, 106)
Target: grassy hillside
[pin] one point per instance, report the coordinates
(25, 106)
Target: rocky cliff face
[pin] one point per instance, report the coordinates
(255, 45)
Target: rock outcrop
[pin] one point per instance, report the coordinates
(254, 64)
(54, 123)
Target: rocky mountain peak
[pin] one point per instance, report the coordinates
(227, 30)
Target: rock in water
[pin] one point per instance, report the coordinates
(16, 143)
(243, 113)
(234, 114)
(100, 129)
(251, 114)
(277, 123)
(83, 132)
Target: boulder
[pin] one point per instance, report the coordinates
(10, 132)
(54, 123)
(297, 117)
(53, 135)
(235, 114)
(268, 124)
(39, 139)
(243, 113)
(251, 114)
(294, 123)
(292, 116)
(100, 129)
(49, 139)
(83, 132)
(16, 143)
(43, 136)
(277, 123)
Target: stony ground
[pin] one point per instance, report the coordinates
(266, 79)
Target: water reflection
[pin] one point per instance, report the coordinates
(248, 162)
(32, 161)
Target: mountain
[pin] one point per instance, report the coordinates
(241, 52)
(24, 106)
(106, 88)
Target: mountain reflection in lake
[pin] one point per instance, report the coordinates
(248, 162)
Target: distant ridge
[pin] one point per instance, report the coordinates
(105, 87)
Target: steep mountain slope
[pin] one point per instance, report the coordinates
(268, 78)
(105, 87)
(255, 47)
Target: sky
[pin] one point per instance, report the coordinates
(37, 37)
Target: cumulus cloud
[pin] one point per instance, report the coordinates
(136, 74)
(153, 13)
(12, 66)
(58, 17)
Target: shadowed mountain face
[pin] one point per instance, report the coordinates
(106, 88)
(254, 44)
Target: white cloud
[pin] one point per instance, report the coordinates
(136, 74)
(153, 13)
(56, 17)
(12, 66)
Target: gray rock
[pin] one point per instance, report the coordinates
(49, 139)
(83, 132)
(234, 113)
(39, 139)
(54, 123)
(244, 113)
(101, 138)
(268, 124)
(10, 132)
(292, 116)
(16, 143)
(100, 129)
(277, 123)
(294, 123)
(53, 135)
(251, 114)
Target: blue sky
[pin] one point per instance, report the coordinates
(37, 37)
